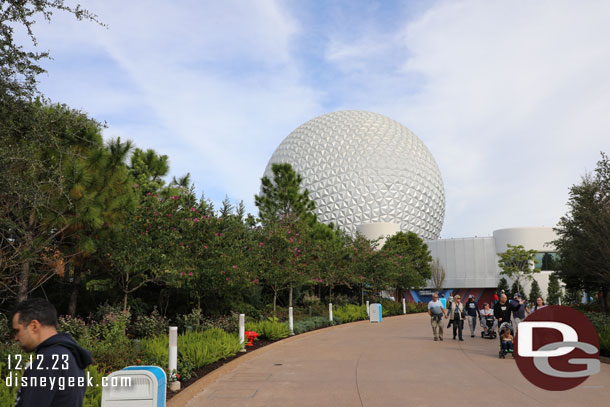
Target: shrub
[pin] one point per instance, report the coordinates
(604, 340)
(228, 323)
(310, 299)
(601, 322)
(108, 342)
(103, 310)
(5, 331)
(270, 330)
(93, 395)
(75, 326)
(389, 307)
(350, 313)
(192, 321)
(341, 299)
(148, 326)
(196, 349)
(310, 324)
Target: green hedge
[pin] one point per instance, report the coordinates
(310, 324)
(269, 330)
(601, 322)
(196, 349)
(350, 313)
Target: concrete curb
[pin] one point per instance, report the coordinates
(183, 397)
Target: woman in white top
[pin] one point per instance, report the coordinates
(539, 304)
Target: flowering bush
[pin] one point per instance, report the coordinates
(75, 326)
(148, 326)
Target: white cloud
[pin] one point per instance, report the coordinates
(217, 82)
(508, 96)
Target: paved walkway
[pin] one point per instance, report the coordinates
(395, 363)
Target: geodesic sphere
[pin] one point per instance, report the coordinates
(362, 167)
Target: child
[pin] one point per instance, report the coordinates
(507, 341)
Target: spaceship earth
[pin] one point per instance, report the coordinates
(362, 167)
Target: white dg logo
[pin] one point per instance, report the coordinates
(556, 349)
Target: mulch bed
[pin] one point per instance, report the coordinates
(198, 374)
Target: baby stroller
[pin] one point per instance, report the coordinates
(487, 323)
(503, 328)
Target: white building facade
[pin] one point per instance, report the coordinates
(473, 262)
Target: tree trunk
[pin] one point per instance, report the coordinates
(362, 295)
(290, 296)
(74, 295)
(274, 302)
(125, 302)
(24, 278)
(330, 293)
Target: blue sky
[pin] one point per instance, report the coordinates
(511, 98)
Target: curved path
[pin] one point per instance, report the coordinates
(394, 363)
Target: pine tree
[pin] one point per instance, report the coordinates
(554, 290)
(281, 198)
(535, 293)
(503, 285)
(516, 288)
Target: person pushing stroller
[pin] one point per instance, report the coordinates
(502, 312)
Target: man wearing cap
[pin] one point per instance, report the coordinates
(472, 311)
(436, 312)
(519, 307)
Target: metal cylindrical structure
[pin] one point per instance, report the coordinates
(291, 320)
(173, 357)
(330, 312)
(242, 332)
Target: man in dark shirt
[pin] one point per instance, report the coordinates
(502, 310)
(472, 309)
(56, 376)
(519, 307)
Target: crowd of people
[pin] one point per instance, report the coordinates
(502, 314)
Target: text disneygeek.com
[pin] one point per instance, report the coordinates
(61, 382)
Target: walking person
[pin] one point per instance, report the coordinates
(58, 358)
(502, 310)
(519, 308)
(457, 315)
(472, 310)
(436, 312)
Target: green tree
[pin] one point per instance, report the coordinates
(518, 264)
(361, 251)
(503, 286)
(583, 233)
(438, 275)
(18, 67)
(61, 186)
(573, 295)
(148, 169)
(282, 198)
(281, 201)
(535, 293)
(411, 259)
(516, 288)
(554, 290)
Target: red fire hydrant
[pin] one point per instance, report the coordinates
(251, 335)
